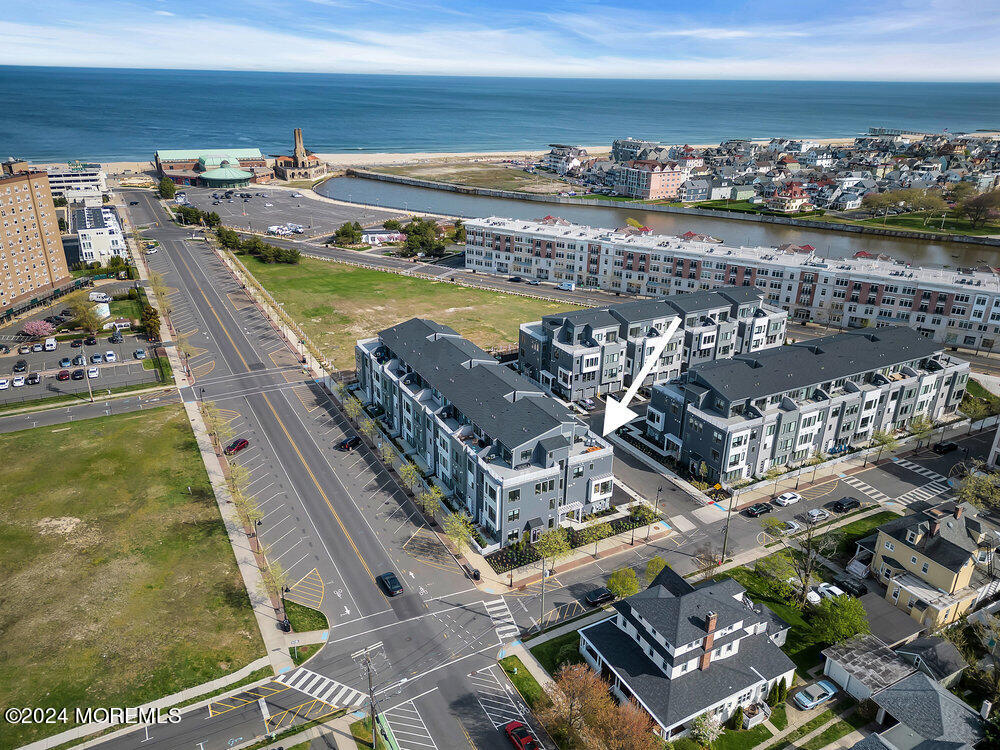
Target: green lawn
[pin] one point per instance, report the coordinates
(548, 653)
(979, 402)
(915, 222)
(301, 654)
(337, 304)
(834, 732)
(125, 308)
(855, 530)
(118, 586)
(527, 685)
(779, 716)
(361, 730)
(304, 618)
(743, 739)
(814, 723)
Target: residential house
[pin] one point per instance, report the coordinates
(936, 657)
(563, 159)
(694, 190)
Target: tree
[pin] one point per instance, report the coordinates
(409, 475)
(628, 727)
(585, 536)
(580, 694)
(921, 428)
(775, 570)
(736, 720)
(772, 695)
(422, 237)
(38, 328)
(352, 407)
(392, 225)
(804, 552)
(368, 428)
(980, 208)
(551, 545)
(883, 440)
(459, 235)
(387, 453)
(782, 691)
(349, 234)
(273, 579)
(430, 500)
(167, 188)
(979, 488)
(838, 619)
(458, 528)
(63, 226)
(654, 566)
(623, 583)
(706, 729)
(228, 238)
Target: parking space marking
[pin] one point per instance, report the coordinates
(499, 707)
(424, 546)
(241, 699)
(408, 727)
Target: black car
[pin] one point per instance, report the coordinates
(390, 583)
(758, 509)
(21, 366)
(33, 379)
(133, 203)
(116, 339)
(76, 343)
(348, 444)
(515, 279)
(852, 586)
(845, 504)
(90, 341)
(66, 313)
(942, 448)
(79, 374)
(598, 597)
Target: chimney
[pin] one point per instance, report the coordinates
(710, 620)
(958, 510)
(935, 527)
(985, 710)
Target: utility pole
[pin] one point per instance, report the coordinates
(541, 606)
(729, 514)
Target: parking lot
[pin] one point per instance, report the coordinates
(270, 207)
(125, 370)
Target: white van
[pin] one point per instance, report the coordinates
(99, 297)
(567, 286)
(50, 344)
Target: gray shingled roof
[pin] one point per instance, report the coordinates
(927, 711)
(785, 368)
(956, 540)
(938, 654)
(870, 661)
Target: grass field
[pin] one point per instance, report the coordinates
(336, 304)
(304, 619)
(482, 174)
(565, 646)
(118, 585)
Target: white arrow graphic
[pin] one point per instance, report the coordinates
(617, 412)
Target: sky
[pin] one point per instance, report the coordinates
(929, 40)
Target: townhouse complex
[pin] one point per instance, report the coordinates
(601, 350)
(735, 419)
(936, 564)
(952, 306)
(516, 459)
(682, 652)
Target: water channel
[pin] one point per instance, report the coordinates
(733, 232)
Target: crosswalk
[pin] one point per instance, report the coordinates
(923, 494)
(499, 612)
(862, 486)
(321, 688)
(922, 470)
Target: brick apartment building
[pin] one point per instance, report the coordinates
(32, 261)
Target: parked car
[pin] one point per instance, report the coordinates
(133, 203)
(589, 404)
(598, 597)
(348, 444)
(520, 736)
(845, 504)
(815, 695)
(4, 384)
(515, 279)
(110, 356)
(34, 378)
(942, 448)
(24, 349)
(79, 375)
(38, 347)
(96, 359)
(116, 338)
(139, 354)
(816, 515)
(93, 372)
(758, 509)
(534, 282)
(18, 381)
(63, 375)
(65, 362)
(236, 446)
(152, 250)
(79, 360)
(390, 583)
(829, 590)
(90, 341)
(787, 498)
(76, 343)
(852, 586)
(21, 366)
(785, 528)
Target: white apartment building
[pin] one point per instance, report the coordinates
(99, 233)
(61, 180)
(952, 306)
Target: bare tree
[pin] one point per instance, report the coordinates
(805, 551)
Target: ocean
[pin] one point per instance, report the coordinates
(56, 114)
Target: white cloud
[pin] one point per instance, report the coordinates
(162, 13)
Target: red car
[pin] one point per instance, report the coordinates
(63, 375)
(236, 446)
(520, 736)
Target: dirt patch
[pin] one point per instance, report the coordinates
(64, 525)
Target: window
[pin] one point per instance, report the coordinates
(514, 514)
(924, 567)
(577, 471)
(913, 560)
(890, 546)
(513, 496)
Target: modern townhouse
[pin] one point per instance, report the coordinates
(778, 407)
(682, 652)
(694, 190)
(587, 353)
(99, 234)
(518, 461)
(953, 306)
(936, 564)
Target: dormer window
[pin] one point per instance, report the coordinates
(911, 536)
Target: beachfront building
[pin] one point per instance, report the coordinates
(86, 179)
(735, 419)
(563, 159)
(518, 461)
(650, 180)
(955, 306)
(600, 350)
(301, 164)
(99, 233)
(681, 652)
(216, 168)
(32, 261)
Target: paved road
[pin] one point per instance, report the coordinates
(334, 520)
(99, 408)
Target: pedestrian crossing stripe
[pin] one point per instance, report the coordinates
(923, 493)
(503, 620)
(322, 688)
(922, 471)
(866, 488)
